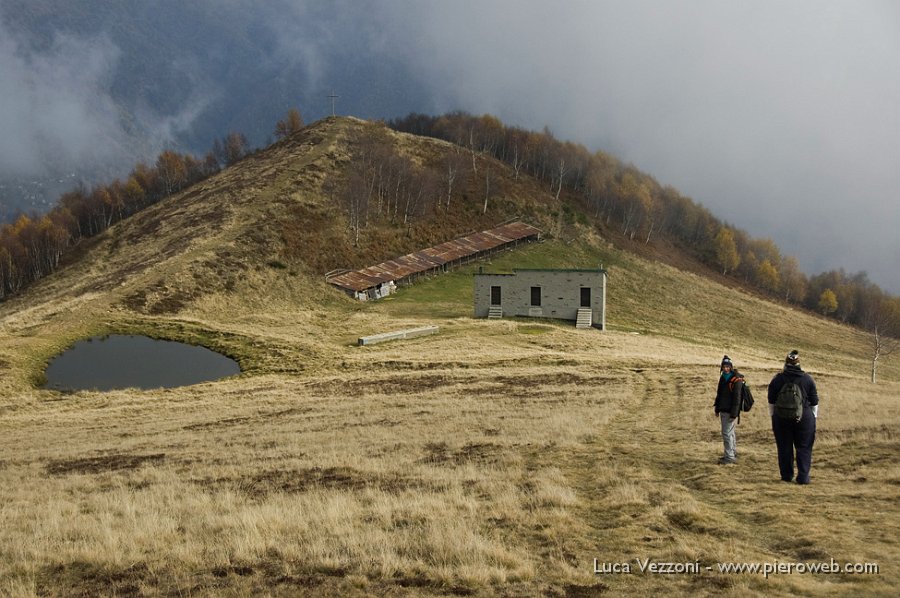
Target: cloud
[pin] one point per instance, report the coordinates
(53, 108)
(780, 117)
(58, 113)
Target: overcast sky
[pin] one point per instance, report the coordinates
(58, 95)
(782, 117)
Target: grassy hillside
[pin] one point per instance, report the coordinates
(495, 458)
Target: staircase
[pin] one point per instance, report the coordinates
(495, 312)
(583, 320)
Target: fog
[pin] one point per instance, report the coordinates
(782, 118)
(61, 121)
(53, 107)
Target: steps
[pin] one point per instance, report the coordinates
(584, 319)
(495, 312)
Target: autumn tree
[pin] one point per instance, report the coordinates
(767, 277)
(172, 171)
(231, 148)
(516, 150)
(148, 179)
(133, 194)
(828, 302)
(599, 183)
(52, 241)
(5, 269)
(289, 125)
(793, 281)
(12, 262)
(727, 256)
(634, 199)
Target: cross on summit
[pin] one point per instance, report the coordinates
(333, 98)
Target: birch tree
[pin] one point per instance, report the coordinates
(883, 323)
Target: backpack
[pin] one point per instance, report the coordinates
(746, 397)
(789, 401)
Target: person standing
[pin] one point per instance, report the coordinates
(794, 407)
(728, 407)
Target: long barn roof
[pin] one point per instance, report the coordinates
(433, 257)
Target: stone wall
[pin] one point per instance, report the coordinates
(560, 293)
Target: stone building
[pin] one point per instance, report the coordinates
(577, 295)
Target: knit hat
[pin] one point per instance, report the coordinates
(726, 361)
(793, 358)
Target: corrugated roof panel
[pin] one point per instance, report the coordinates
(433, 257)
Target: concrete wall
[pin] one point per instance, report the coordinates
(396, 335)
(560, 293)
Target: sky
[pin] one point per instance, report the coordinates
(781, 117)
(53, 104)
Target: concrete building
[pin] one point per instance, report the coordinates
(578, 295)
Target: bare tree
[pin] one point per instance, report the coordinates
(355, 196)
(561, 170)
(451, 166)
(883, 322)
(487, 188)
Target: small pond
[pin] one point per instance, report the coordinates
(124, 361)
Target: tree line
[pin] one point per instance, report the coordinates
(621, 197)
(381, 183)
(32, 245)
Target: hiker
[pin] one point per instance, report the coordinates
(728, 407)
(794, 407)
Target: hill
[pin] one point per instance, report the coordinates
(168, 75)
(494, 458)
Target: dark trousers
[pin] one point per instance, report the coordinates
(791, 435)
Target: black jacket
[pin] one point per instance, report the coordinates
(802, 379)
(728, 394)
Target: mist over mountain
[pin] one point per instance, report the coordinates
(780, 119)
(92, 89)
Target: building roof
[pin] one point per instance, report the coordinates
(550, 270)
(433, 257)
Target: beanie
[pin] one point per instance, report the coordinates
(726, 361)
(793, 358)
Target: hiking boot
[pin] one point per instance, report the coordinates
(726, 461)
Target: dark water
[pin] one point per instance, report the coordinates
(120, 361)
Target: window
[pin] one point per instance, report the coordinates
(536, 296)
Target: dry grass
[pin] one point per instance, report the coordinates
(432, 467)
(496, 458)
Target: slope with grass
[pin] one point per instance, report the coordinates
(495, 458)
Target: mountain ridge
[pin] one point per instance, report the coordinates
(492, 458)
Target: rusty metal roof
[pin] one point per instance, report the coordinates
(433, 257)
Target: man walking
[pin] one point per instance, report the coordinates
(728, 407)
(794, 407)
